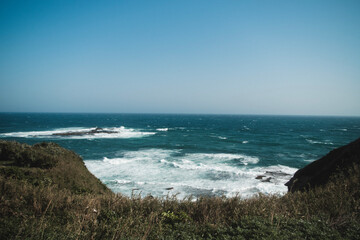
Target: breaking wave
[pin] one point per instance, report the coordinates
(162, 129)
(158, 171)
(326, 142)
(75, 133)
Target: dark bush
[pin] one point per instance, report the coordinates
(29, 158)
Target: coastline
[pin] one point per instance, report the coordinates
(42, 205)
(206, 155)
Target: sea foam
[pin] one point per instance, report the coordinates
(118, 132)
(155, 171)
(162, 129)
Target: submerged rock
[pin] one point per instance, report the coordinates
(318, 172)
(277, 173)
(269, 175)
(267, 179)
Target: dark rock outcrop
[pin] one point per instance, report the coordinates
(319, 172)
(260, 177)
(82, 133)
(269, 175)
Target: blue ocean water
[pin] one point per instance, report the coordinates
(161, 154)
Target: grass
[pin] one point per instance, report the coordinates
(47, 164)
(34, 205)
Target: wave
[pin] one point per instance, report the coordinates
(220, 157)
(33, 134)
(246, 128)
(309, 160)
(157, 171)
(326, 142)
(122, 181)
(219, 137)
(341, 129)
(116, 132)
(116, 161)
(162, 129)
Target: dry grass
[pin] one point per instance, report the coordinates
(31, 209)
(49, 213)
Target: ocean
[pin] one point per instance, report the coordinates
(187, 155)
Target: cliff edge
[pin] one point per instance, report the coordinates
(319, 172)
(47, 164)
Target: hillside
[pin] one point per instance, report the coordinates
(47, 193)
(47, 164)
(320, 171)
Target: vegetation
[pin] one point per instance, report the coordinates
(47, 164)
(47, 193)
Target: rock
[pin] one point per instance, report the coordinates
(277, 173)
(170, 188)
(267, 180)
(260, 177)
(82, 133)
(318, 172)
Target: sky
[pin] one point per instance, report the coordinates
(299, 57)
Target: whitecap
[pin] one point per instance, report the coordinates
(220, 157)
(246, 128)
(116, 161)
(122, 181)
(309, 160)
(117, 132)
(162, 129)
(326, 142)
(48, 133)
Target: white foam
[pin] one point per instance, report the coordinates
(220, 157)
(120, 132)
(223, 138)
(245, 142)
(32, 134)
(326, 142)
(116, 161)
(162, 129)
(122, 181)
(152, 171)
(309, 160)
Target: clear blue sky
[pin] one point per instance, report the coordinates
(199, 56)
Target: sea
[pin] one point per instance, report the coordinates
(187, 155)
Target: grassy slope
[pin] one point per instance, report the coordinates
(47, 193)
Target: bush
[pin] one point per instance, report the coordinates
(23, 155)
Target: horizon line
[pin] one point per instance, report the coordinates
(157, 113)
